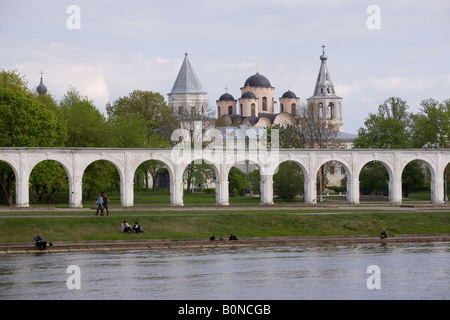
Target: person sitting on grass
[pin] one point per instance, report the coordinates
(125, 227)
(137, 228)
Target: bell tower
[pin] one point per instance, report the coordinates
(324, 98)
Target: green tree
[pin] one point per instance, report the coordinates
(288, 182)
(373, 177)
(389, 128)
(86, 126)
(413, 177)
(151, 110)
(237, 182)
(432, 125)
(254, 179)
(26, 120)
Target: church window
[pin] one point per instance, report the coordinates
(218, 111)
(241, 111)
(230, 110)
(281, 108)
(330, 110)
(332, 170)
(320, 110)
(293, 110)
(253, 110)
(264, 104)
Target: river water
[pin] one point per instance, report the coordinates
(402, 271)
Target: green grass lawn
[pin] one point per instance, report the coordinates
(82, 225)
(161, 197)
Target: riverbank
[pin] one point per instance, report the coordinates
(189, 244)
(190, 227)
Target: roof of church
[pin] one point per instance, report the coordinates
(226, 97)
(257, 80)
(41, 88)
(324, 86)
(187, 81)
(289, 94)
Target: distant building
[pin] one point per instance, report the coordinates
(187, 92)
(256, 108)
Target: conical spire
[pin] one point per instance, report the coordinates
(187, 81)
(324, 86)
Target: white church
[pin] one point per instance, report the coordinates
(256, 107)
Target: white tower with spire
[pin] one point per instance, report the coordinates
(324, 98)
(187, 92)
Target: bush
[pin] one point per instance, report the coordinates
(209, 190)
(288, 181)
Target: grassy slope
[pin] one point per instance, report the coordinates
(59, 226)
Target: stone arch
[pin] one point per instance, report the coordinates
(303, 170)
(387, 162)
(433, 177)
(43, 162)
(321, 171)
(200, 160)
(120, 170)
(9, 168)
(64, 160)
(168, 165)
(446, 177)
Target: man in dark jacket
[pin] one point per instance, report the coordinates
(39, 242)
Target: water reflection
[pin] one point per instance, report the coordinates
(408, 271)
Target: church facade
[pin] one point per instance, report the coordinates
(256, 106)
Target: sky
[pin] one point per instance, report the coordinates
(108, 49)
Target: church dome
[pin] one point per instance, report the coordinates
(289, 94)
(41, 88)
(248, 95)
(226, 97)
(257, 80)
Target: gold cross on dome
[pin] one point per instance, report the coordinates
(226, 89)
(257, 67)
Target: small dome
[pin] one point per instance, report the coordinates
(41, 88)
(289, 94)
(248, 95)
(323, 57)
(257, 80)
(226, 97)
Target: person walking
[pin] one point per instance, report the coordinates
(100, 205)
(105, 203)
